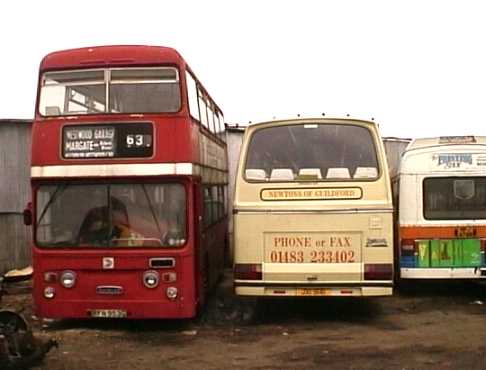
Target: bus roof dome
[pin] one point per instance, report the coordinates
(420, 143)
(99, 56)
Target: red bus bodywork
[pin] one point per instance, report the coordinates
(109, 281)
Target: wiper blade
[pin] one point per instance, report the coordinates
(59, 190)
(154, 215)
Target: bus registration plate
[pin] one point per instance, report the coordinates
(313, 292)
(107, 313)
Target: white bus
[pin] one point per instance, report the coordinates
(442, 209)
(313, 210)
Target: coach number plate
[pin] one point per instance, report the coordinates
(107, 313)
(313, 292)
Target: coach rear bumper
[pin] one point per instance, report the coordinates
(298, 289)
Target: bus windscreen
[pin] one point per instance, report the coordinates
(111, 215)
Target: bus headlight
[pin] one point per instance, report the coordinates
(151, 279)
(171, 292)
(68, 279)
(49, 292)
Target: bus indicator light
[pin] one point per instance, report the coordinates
(169, 277)
(50, 277)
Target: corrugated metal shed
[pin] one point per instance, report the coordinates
(394, 148)
(234, 137)
(14, 192)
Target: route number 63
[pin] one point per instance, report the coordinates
(134, 140)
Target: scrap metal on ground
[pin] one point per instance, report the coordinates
(18, 347)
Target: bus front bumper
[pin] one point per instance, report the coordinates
(82, 309)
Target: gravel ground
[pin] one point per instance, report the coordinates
(439, 326)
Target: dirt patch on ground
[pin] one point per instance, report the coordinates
(436, 326)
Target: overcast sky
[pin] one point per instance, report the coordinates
(417, 67)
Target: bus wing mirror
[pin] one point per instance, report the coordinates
(28, 214)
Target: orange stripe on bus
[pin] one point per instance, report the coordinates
(439, 232)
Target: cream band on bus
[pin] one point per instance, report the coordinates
(313, 210)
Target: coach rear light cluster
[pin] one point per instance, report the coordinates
(49, 292)
(68, 279)
(248, 271)
(171, 292)
(151, 279)
(378, 271)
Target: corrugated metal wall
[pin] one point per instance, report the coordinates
(234, 137)
(14, 193)
(394, 148)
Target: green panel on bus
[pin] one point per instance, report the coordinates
(446, 249)
(457, 253)
(435, 253)
(471, 252)
(423, 253)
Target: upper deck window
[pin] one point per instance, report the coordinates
(311, 152)
(121, 90)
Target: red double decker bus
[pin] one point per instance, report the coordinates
(129, 175)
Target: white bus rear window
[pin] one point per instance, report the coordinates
(454, 198)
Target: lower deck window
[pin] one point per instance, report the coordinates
(111, 215)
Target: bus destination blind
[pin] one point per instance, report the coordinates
(107, 141)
